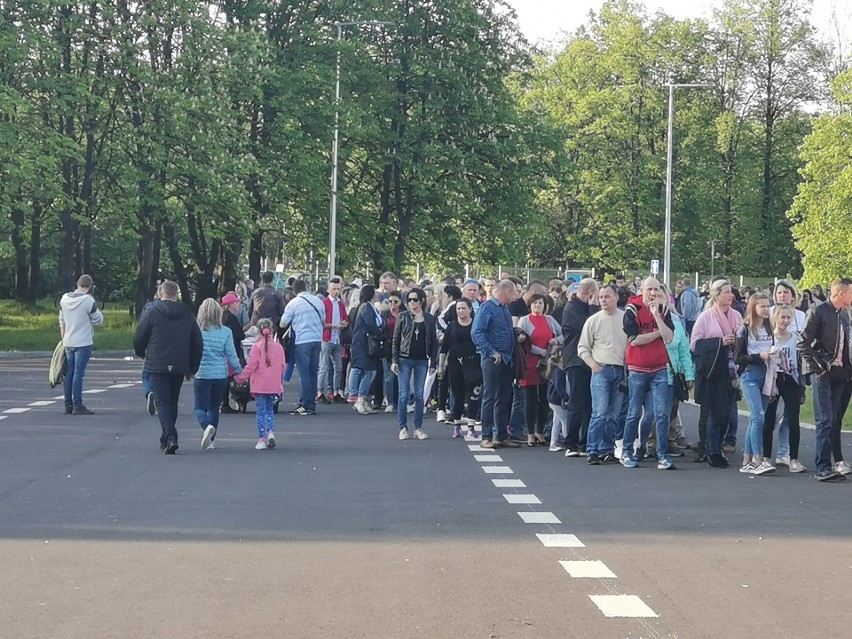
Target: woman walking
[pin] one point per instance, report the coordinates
(415, 350)
(211, 380)
(264, 373)
(753, 350)
(545, 334)
(367, 332)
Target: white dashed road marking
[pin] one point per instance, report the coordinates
(120, 386)
(498, 470)
(476, 448)
(488, 458)
(539, 518)
(587, 569)
(95, 390)
(514, 498)
(622, 606)
(2, 417)
(508, 483)
(44, 402)
(559, 540)
(15, 411)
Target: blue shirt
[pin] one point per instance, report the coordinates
(492, 331)
(306, 314)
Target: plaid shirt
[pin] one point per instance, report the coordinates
(492, 331)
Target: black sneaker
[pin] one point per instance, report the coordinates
(339, 399)
(171, 447)
(829, 475)
(301, 410)
(322, 399)
(640, 454)
(81, 410)
(610, 458)
(152, 408)
(69, 408)
(593, 459)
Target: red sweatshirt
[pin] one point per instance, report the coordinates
(651, 357)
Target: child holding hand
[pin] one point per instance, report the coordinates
(264, 371)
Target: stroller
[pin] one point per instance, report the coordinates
(240, 394)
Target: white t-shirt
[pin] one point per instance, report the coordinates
(788, 347)
(760, 343)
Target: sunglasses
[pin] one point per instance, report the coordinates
(413, 299)
(393, 301)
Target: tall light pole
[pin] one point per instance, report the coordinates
(667, 256)
(335, 146)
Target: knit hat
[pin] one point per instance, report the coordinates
(230, 298)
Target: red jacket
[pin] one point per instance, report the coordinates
(326, 302)
(651, 357)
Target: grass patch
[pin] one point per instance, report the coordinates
(36, 328)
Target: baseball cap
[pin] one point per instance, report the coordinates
(230, 298)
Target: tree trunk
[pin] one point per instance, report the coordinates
(34, 285)
(18, 220)
(255, 254)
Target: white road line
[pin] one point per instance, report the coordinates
(498, 470)
(488, 458)
(95, 390)
(539, 518)
(476, 448)
(120, 386)
(44, 402)
(508, 483)
(59, 397)
(559, 540)
(587, 569)
(2, 417)
(622, 606)
(514, 498)
(15, 411)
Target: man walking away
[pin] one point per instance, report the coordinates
(266, 302)
(78, 316)
(577, 372)
(305, 313)
(169, 340)
(689, 305)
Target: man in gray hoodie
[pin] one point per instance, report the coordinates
(78, 316)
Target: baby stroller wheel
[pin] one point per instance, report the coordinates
(243, 406)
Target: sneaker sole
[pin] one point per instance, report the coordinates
(209, 433)
(170, 449)
(152, 407)
(270, 442)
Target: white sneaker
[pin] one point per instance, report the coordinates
(208, 435)
(555, 448)
(212, 446)
(261, 444)
(764, 468)
(419, 434)
(441, 416)
(390, 409)
(403, 433)
(748, 468)
(796, 466)
(843, 468)
(782, 461)
(411, 408)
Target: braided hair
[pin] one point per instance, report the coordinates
(265, 327)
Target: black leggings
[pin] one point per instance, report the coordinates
(463, 390)
(536, 408)
(790, 392)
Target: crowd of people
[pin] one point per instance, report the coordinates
(584, 368)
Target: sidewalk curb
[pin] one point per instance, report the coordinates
(48, 354)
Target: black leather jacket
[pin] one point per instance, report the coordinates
(574, 316)
(403, 331)
(818, 341)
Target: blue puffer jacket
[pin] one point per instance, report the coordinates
(218, 352)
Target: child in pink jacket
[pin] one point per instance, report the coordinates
(264, 370)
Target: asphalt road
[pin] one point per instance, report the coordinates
(344, 531)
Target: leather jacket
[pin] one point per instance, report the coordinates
(402, 334)
(819, 339)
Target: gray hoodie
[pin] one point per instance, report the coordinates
(78, 315)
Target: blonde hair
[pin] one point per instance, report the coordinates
(209, 315)
(715, 289)
(778, 309)
(752, 319)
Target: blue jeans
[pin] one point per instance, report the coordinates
(390, 382)
(516, 419)
(265, 405)
(751, 382)
(648, 416)
(639, 384)
(730, 436)
(166, 388)
(360, 380)
(606, 406)
(496, 399)
(783, 431)
(307, 362)
(331, 357)
(831, 399)
(208, 397)
(146, 383)
(76, 360)
(412, 372)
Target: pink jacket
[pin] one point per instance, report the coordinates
(263, 379)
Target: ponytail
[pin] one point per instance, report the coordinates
(266, 333)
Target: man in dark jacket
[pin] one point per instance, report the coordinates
(826, 348)
(266, 301)
(169, 340)
(577, 372)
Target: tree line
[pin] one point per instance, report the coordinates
(185, 139)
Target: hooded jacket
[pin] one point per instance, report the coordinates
(78, 315)
(638, 320)
(169, 339)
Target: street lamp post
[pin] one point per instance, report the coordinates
(335, 146)
(667, 251)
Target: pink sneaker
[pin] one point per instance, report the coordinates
(352, 399)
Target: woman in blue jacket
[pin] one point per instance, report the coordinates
(211, 380)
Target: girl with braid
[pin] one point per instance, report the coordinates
(264, 371)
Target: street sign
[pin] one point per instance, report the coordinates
(655, 267)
